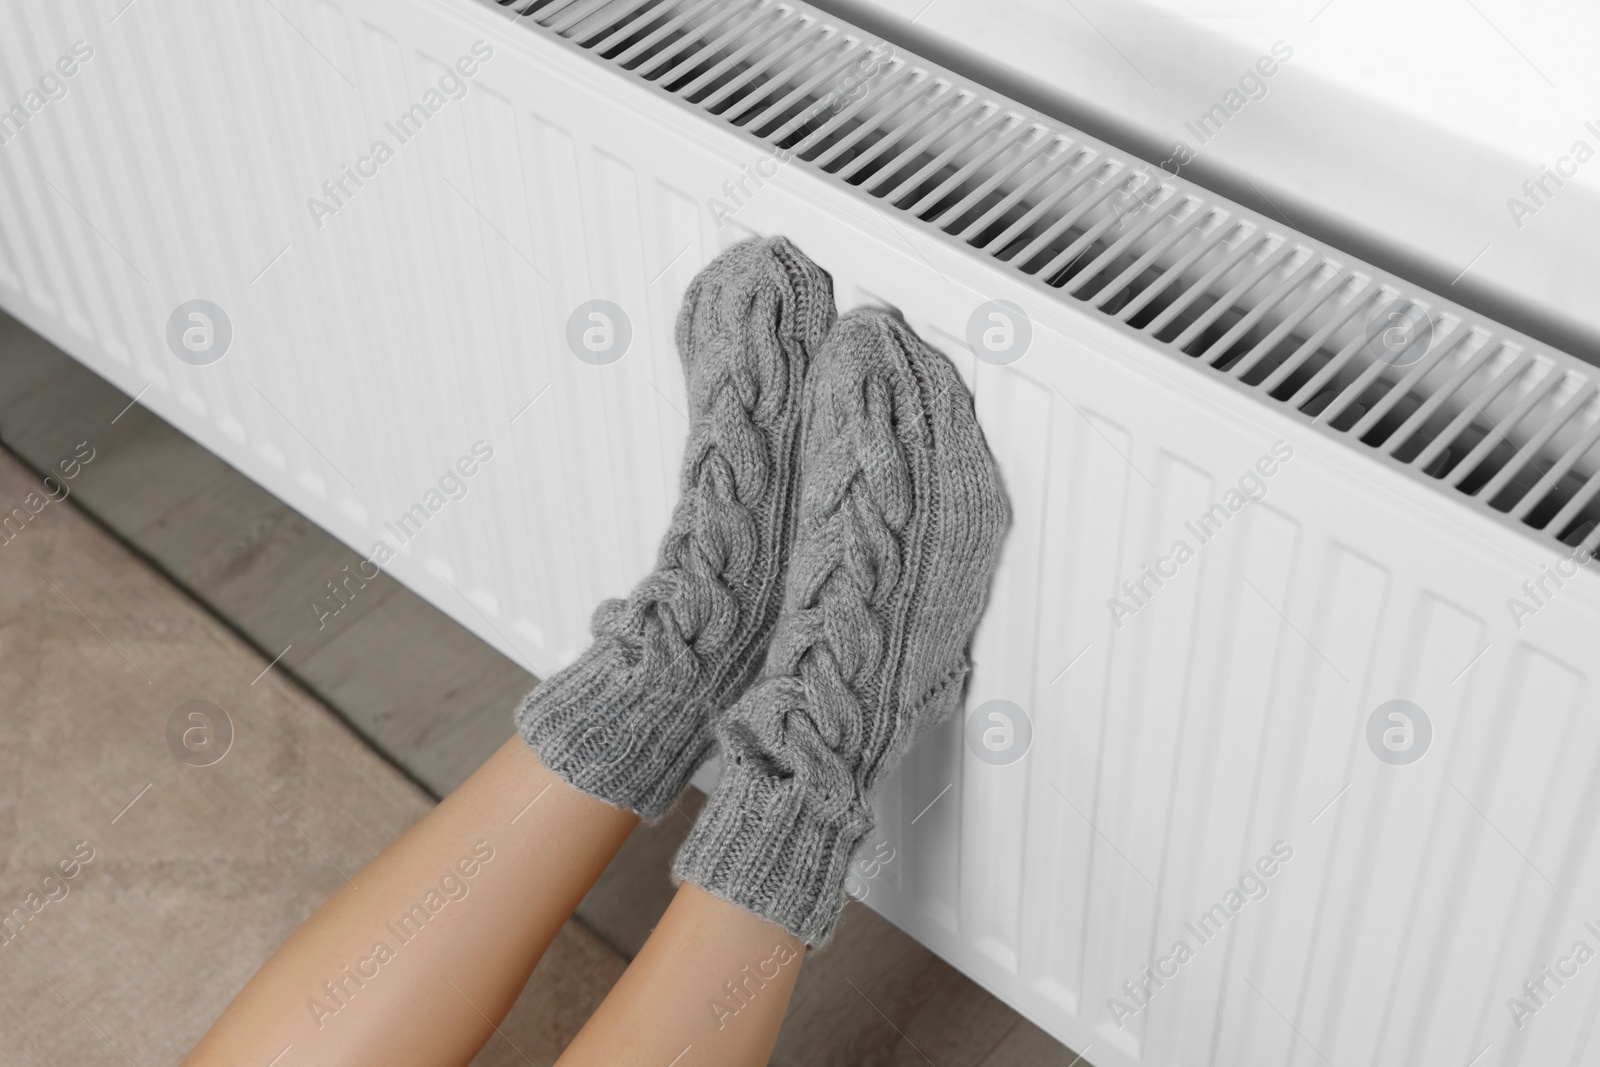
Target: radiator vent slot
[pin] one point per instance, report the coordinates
(1481, 411)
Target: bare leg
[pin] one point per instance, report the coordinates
(465, 902)
(709, 989)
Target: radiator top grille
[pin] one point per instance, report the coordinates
(1426, 384)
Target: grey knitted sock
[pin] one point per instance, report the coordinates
(628, 721)
(901, 515)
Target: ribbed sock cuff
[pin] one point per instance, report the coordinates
(605, 741)
(765, 845)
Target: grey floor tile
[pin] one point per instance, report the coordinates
(442, 701)
(1028, 1046)
(27, 362)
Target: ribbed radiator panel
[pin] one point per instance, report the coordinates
(1172, 747)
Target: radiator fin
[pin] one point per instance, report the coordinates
(1481, 412)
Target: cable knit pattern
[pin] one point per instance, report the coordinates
(901, 516)
(628, 721)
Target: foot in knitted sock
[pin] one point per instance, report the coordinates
(628, 721)
(901, 516)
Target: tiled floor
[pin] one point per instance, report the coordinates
(416, 687)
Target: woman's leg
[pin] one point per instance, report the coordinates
(709, 989)
(870, 650)
(420, 958)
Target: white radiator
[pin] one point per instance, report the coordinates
(1203, 725)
